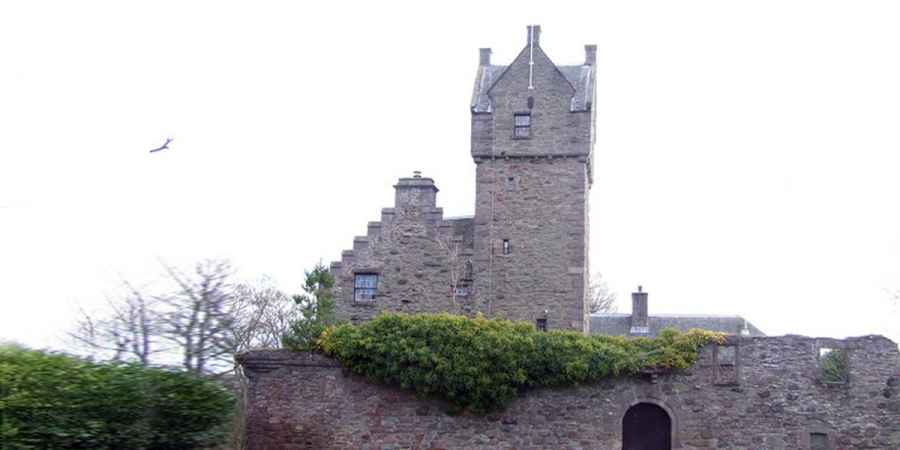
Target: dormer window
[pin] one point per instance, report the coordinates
(522, 127)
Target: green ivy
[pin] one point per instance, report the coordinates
(482, 364)
(54, 401)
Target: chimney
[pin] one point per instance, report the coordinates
(484, 56)
(534, 35)
(639, 322)
(415, 192)
(590, 55)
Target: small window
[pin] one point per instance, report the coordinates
(541, 324)
(818, 441)
(506, 247)
(522, 125)
(365, 287)
(727, 365)
(510, 183)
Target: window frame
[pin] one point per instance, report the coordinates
(526, 127)
(357, 288)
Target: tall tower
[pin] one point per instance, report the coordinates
(532, 142)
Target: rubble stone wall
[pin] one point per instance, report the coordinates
(765, 392)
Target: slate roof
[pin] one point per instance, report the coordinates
(578, 76)
(617, 324)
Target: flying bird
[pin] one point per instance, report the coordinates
(164, 146)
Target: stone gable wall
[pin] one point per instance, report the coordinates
(414, 252)
(307, 401)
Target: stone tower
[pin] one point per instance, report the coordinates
(532, 142)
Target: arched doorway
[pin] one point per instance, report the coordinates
(646, 427)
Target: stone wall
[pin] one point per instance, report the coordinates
(773, 398)
(539, 206)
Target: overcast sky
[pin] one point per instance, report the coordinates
(747, 153)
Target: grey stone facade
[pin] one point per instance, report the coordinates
(768, 393)
(524, 255)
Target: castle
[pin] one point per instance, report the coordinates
(524, 256)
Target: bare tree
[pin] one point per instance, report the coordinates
(199, 317)
(202, 322)
(129, 332)
(602, 300)
(451, 247)
(263, 315)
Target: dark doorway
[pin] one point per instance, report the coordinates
(646, 427)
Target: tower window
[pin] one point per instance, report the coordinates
(522, 125)
(365, 287)
(506, 247)
(541, 324)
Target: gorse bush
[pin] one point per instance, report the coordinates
(481, 364)
(52, 401)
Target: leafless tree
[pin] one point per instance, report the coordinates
(198, 318)
(202, 321)
(602, 300)
(129, 332)
(263, 315)
(451, 247)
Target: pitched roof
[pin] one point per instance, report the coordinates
(617, 324)
(578, 76)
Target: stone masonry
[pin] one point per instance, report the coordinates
(767, 393)
(524, 255)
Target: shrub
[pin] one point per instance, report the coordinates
(53, 401)
(482, 364)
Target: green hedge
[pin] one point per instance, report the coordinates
(482, 364)
(52, 401)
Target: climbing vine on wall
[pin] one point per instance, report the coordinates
(481, 364)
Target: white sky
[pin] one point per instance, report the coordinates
(747, 153)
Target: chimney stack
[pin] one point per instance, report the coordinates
(484, 56)
(590, 55)
(534, 35)
(415, 192)
(640, 324)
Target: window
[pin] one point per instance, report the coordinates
(541, 324)
(522, 125)
(365, 287)
(461, 290)
(727, 368)
(835, 365)
(818, 441)
(506, 247)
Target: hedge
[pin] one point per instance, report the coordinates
(54, 401)
(482, 364)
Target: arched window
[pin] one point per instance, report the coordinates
(646, 427)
